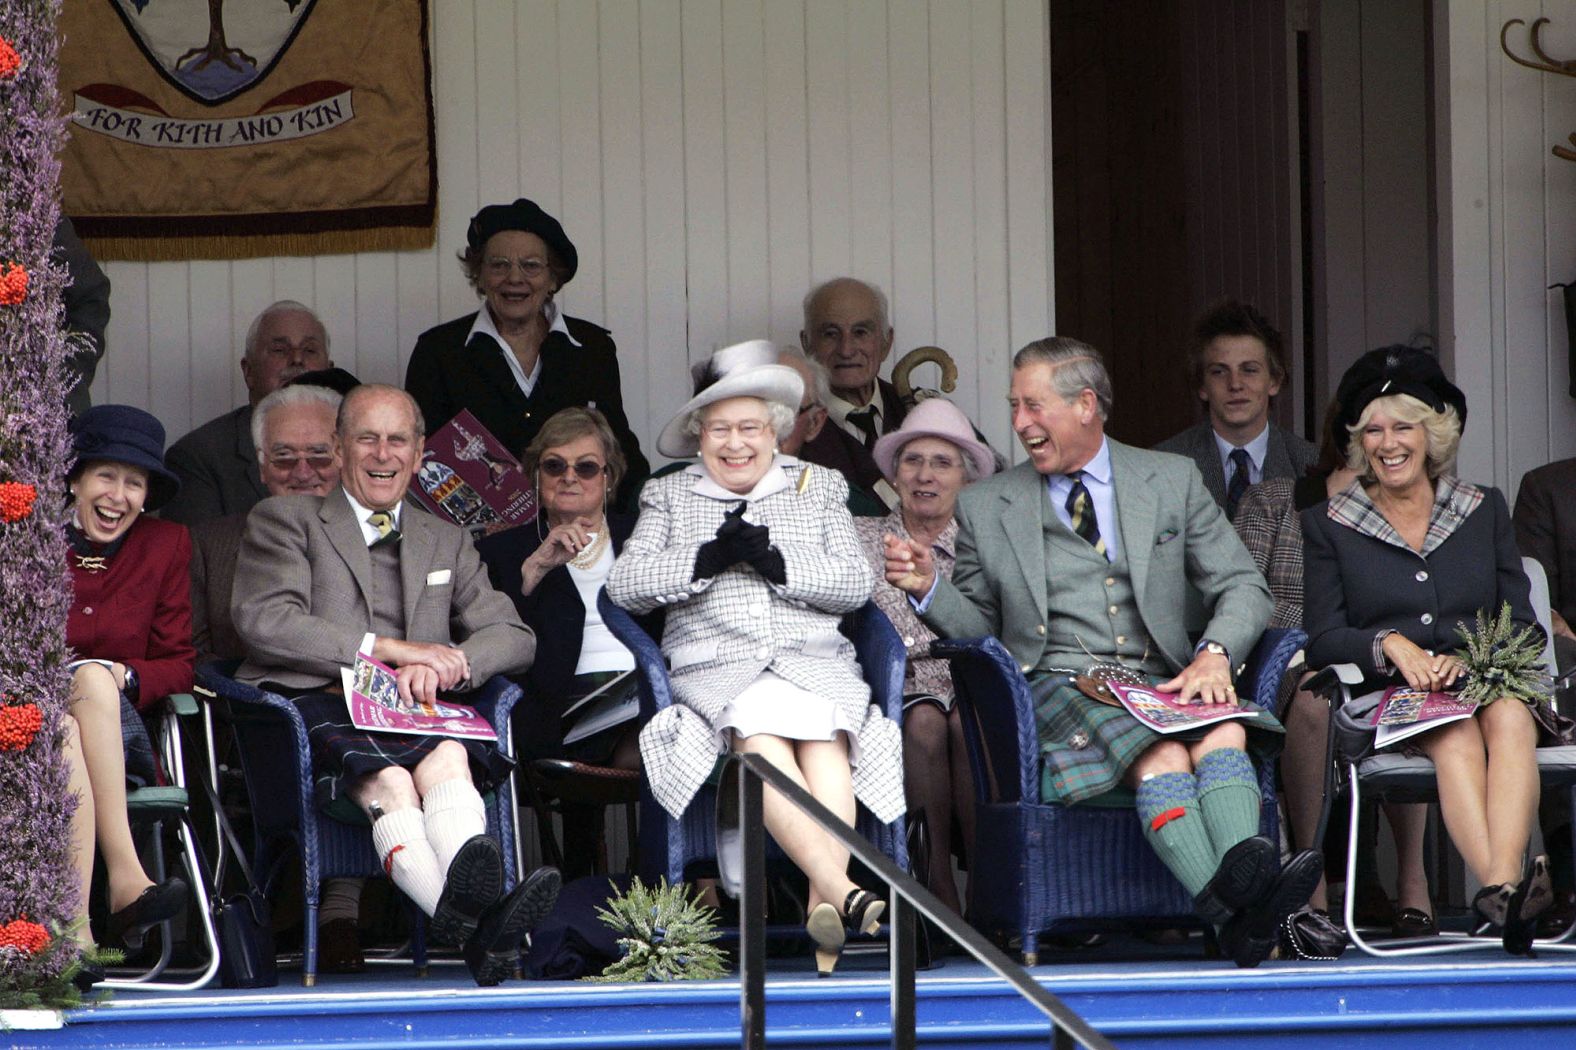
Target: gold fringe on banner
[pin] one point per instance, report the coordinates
(327, 242)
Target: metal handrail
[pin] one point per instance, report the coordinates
(906, 896)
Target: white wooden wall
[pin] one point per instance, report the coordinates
(1508, 213)
(711, 159)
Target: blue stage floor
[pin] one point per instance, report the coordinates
(1171, 999)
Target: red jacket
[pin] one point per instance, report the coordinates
(139, 610)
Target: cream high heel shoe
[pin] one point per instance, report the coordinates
(825, 928)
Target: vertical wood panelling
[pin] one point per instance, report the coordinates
(826, 75)
(711, 159)
(705, 181)
(787, 167)
(624, 209)
(870, 145)
(744, 131)
(912, 292)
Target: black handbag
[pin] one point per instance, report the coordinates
(243, 921)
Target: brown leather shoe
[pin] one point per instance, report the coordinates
(339, 947)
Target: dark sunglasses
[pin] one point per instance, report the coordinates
(585, 470)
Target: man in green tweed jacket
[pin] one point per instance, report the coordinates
(1086, 553)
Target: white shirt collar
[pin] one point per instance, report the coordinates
(773, 481)
(485, 326)
(369, 532)
(838, 409)
(1257, 449)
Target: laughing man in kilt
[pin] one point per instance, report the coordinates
(1084, 555)
(318, 578)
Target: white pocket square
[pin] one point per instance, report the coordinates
(439, 578)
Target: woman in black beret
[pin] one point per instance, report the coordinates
(519, 359)
(1392, 564)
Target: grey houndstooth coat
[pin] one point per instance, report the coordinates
(722, 633)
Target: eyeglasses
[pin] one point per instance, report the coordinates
(317, 461)
(749, 430)
(914, 461)
(585, 470)
(500, 266)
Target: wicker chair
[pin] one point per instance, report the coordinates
(1068, 869)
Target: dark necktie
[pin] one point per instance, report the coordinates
(383, 521)
(1239, 480)
(865, 420)
(1080, 510)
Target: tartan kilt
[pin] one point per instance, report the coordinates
(342, 753)
(1086, 746)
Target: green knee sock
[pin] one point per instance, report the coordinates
(1228, 796)
(1174, 828)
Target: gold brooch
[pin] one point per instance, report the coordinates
(91, 563)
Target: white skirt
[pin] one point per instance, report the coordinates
(775, 706)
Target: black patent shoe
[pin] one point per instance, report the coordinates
(862, 911)
(158, 903)
(1531, 898)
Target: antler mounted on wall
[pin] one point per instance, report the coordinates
(1544, 65)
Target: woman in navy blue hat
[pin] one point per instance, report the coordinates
(1391, 564)
(130, 628)
(519, 359)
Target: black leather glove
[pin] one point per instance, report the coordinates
(770, 566)
(720, 553)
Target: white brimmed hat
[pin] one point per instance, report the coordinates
(741, 370)
(934, 417)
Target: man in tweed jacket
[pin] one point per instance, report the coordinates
(321, 578)
(1086, 553)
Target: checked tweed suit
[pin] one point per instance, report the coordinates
(723, 632)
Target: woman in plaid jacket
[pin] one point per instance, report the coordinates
(755, 559)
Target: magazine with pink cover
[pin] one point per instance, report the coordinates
(467, 476)
(1161, 712)
(372, 694)
(1404, 712)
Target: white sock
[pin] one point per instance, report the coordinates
(401, 841)
(455, 815)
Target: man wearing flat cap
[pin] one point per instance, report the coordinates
(519, 359)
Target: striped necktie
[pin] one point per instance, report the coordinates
(1080, 510)
(1238, 485)
(383, 521)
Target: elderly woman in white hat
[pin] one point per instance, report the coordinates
(927, 461)
(754, 555)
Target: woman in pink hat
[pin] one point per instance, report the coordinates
(928, 460)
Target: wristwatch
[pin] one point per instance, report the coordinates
(133, 688)
(1216, 648)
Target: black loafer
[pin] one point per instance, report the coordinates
(1413, 922)
(1252, 934)
(339, 947)
(494, 949)
(154, 905)
(473, 884)
(1245, 874)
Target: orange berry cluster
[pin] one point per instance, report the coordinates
(19, 723)
(27, 937)
(13, 284)
(16, 500)
(10, 61)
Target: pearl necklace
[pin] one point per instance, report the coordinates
(593, 550)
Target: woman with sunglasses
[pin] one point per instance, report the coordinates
(552, 569)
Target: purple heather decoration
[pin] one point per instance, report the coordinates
(37, 877)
